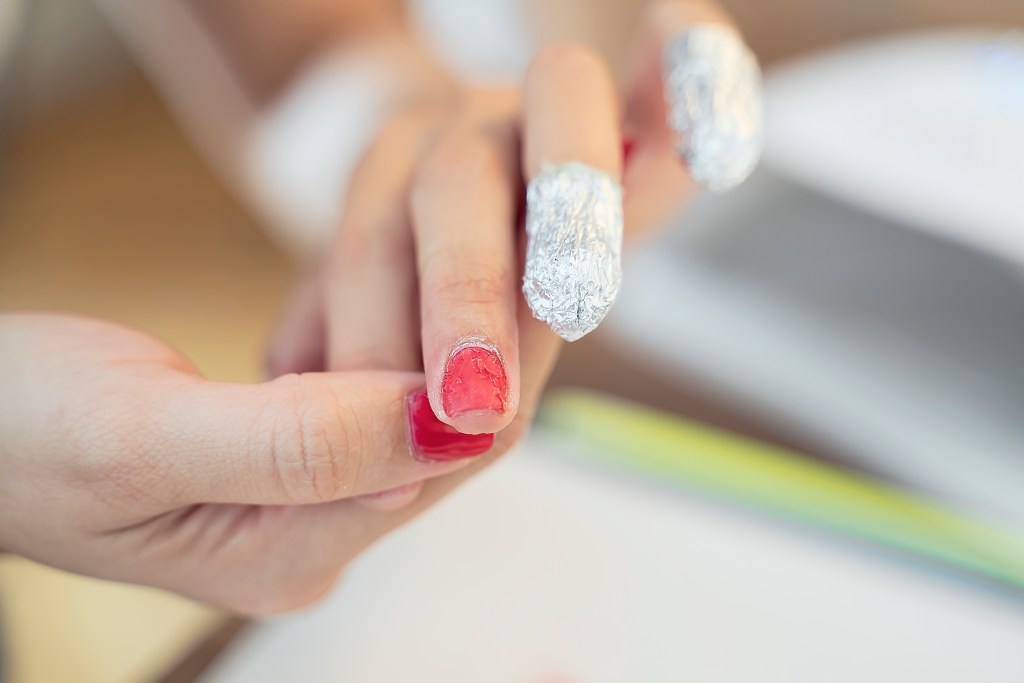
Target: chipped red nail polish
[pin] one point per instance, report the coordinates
(474, 380)
(628, 146)
(432, 439)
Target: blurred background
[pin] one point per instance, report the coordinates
(859, 301)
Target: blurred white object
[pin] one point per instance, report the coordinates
(873, 331)
(488, 41)
(540, 572)
(292, 162)
(927, 129)
(301, 154)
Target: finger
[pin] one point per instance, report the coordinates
(571, 112)
(464, 226)
(335, 533)
(363, 525)
(298, 343)
(573, 157)
(372, 316)
(538, 345)
(550, 138)
(695, 91)
(299, 439)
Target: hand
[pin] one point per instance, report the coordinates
(120, 461)
(428, 256)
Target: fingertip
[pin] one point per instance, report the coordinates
(476, 393)
(714, 102)
(482, 421)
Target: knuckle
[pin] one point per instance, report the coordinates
(354, 248)
(364, 245)
(398, 138)
(314, 442)
(567, 59)
(457, 161)
(473, 284)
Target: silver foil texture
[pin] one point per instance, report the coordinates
(574, 253)
(713, 91)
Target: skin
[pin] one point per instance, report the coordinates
(121, 462)
(267, 41)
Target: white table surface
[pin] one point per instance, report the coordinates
(542, 571)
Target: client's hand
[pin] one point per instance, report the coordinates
(426, 268)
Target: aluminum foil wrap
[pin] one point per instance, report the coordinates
(713, 91)
(574, 254)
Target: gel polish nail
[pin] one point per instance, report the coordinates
(474, 380)
(433, 440)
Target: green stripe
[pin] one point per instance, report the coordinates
(784, 483)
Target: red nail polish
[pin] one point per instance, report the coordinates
(434, 440)
(628, 145)
(474, 379)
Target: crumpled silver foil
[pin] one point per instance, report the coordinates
(713, 90)
(574, 253)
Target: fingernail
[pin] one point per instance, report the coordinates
(713, 92)
(474, 380)
(433, 440)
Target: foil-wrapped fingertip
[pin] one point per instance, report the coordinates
(713, 91)
(573, 264)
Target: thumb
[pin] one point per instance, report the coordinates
(299, 439)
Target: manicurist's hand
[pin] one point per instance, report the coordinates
(119, 461)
